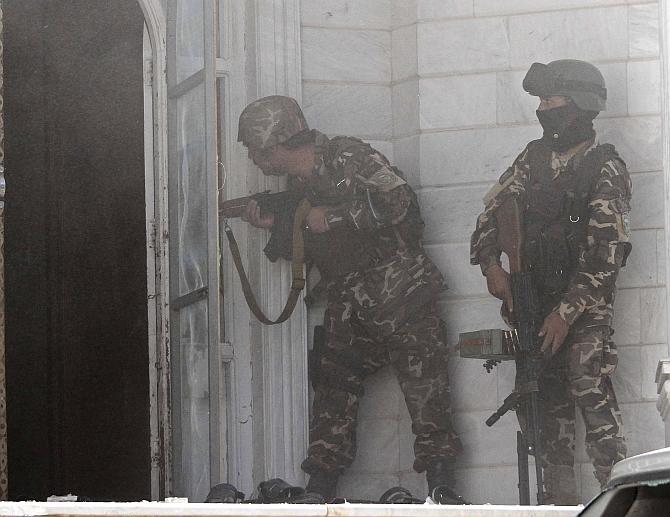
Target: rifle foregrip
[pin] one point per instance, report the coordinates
(233, 208)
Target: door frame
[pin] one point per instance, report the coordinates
(269, 410)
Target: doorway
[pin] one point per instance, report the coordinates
(76, 266)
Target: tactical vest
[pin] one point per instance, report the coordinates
(557, 215)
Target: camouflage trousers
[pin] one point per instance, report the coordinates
(578, 377)
(385, 316)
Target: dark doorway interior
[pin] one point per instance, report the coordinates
(76, 316)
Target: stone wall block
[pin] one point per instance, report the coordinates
(447, 47)
(371, 14)
(653, 317)
(493, 7)
(403, 52)
(647, 202)
(643, 27)
(346, 55)
(382, 396)
(377, 449)
(355, 110)
(437, 9)
(405, 108)
(514, 105)
(579, 34)
(627, 329)
(644, 87)
(438, 209)
(462, 278)
(637, 139)
(475, 155)
(643, 428)
(403, 12)
(458, 101)
(485, 445)
(662, 254)
(627, 378)
(471, 387)
(406, 158)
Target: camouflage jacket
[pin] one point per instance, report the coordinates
(590, 290)
(374, 211)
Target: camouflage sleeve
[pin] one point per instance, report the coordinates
(381, 196)
(484, 248)
(607, 244)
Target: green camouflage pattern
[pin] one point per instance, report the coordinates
(579, 375)
(270, 121)
(591, 290)
(381, 312)
(418, 355)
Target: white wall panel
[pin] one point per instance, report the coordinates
(450, 47)
(644, 87)
(578, 34)
(458, 101)
(346, 55)
(370, 14)
(478, 155)
(346, 109)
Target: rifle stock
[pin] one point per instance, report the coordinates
(510, 232)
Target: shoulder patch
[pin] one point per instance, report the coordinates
(503, 182)
(384, 180)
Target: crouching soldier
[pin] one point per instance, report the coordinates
(363, 233)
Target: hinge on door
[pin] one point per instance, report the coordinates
(227, 352)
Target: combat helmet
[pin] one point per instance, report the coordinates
(270, 121)
(578, 80)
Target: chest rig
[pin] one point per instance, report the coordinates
(557, 214)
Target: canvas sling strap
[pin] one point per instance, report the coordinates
(297, 270)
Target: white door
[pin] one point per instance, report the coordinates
(194, 270)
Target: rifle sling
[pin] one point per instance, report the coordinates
(297, 262)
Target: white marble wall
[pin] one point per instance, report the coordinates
(436, 85)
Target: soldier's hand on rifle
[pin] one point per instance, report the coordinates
(554, 329)
(252, 214)
(498, 283)
(316, 219)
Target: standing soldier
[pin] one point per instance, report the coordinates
(364, 236)
(576, 199)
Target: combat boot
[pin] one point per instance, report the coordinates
(560, 487)
(323, 483)
(441, 483)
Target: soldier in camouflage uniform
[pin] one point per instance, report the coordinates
(364, 236)
(576, 195)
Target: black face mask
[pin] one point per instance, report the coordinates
(566, 126)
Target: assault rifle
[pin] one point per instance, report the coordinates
(521, 344)
(290, 208)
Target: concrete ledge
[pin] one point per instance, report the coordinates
(359, 510)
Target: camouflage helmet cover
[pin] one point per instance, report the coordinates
(269, 121)
(578, 80)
